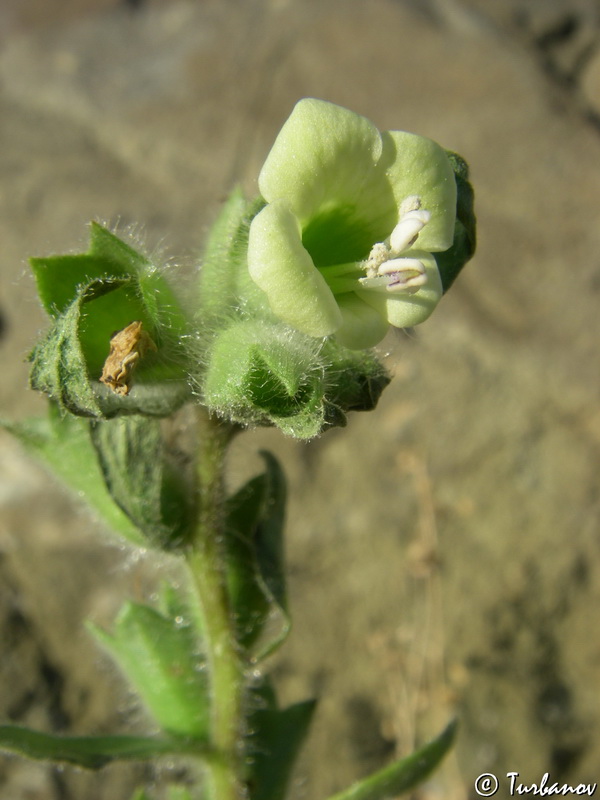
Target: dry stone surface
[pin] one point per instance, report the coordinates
(444, 552)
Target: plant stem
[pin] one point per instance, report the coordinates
(205, 561)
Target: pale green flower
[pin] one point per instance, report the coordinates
(344, 245)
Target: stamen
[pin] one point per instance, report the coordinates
(397, 275)
(386, 270)
(408, 266)
(399, 283)
(407, 230)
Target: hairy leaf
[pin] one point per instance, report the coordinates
(161, 656)
(140, 479)
(256, 573)
(62, 443)
(91, 752)
(403, 775)
(277, 737)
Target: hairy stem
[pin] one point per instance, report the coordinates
(205, 561)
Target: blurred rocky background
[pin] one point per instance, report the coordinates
(444, 550)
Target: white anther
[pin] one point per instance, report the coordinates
(386, 270)
(397, 275)
(407, 266)
(400, 283)
(407, 230)
(405, 274)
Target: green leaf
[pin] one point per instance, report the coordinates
(255, 560)
(403, 775)
(162, 659)
(62, 443)
(149, 490)
(172, 603)
(91, 752)
(275, 744)
(247, 592)
(269, 533)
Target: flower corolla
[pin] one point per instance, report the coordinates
(345, 242)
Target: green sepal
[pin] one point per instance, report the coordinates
(264, 373)
(166, 314)
(403, 775)
(278, 735)
(58, 364)
(224, 280)
(90, 752)
(255, 518)
(152, 399)
(355, 380)
(90, 297)
(451, 261)
(59, 278)
(217, 277)
(65, 360)
(62, 443)
(143, 483)
(161, 656)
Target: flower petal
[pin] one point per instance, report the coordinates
(327, 158)
(363, 325)
(279, 264)
(419, 166)
(404, 310)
